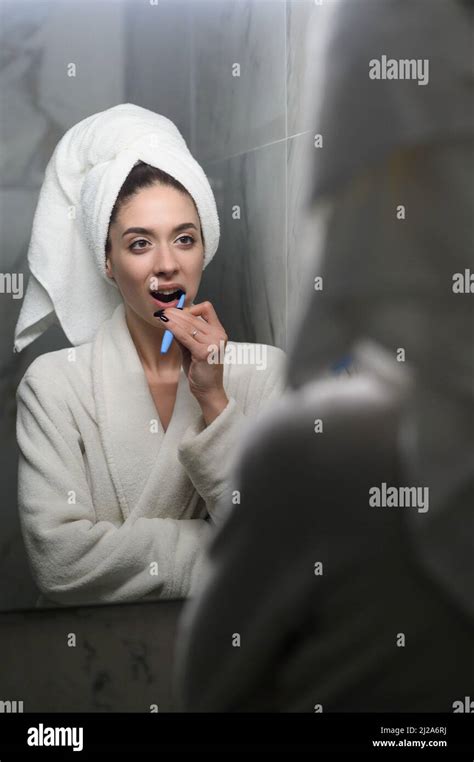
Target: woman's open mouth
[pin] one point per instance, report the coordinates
(166, 298)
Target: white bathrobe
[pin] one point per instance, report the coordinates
(112, 507)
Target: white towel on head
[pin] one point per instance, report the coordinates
(66, 255)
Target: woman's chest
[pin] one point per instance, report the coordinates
(164, 397)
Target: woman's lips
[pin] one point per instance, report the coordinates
(164, 304)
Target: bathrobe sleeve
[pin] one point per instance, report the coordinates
(208, 452)
(74, 558)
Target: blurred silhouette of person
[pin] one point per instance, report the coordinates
(344, 579)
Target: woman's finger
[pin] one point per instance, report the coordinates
(206, 311)
(182, 331)
(188, 321)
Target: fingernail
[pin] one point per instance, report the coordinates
(159, 314)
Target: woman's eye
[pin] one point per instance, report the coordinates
(140, 240)
(186, 236)
(134, 246)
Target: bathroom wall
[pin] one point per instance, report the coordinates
(250, 132)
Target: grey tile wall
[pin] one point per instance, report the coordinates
(246, 280)
(238, 113)
(157, 72)
(249, 132)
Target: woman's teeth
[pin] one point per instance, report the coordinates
(167, 295)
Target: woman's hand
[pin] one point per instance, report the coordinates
(205, 378)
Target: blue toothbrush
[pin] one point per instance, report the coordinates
(168, 336)
(343, 364)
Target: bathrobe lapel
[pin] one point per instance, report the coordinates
(142, 458)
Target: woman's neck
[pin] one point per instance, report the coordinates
(147, 340)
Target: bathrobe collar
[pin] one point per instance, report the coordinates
(140, 454)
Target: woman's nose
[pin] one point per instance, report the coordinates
(165, 260)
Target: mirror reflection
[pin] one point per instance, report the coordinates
(126, 406)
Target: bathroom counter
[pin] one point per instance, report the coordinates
(114, 658)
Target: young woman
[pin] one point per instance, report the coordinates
(125, 451)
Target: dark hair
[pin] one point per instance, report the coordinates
(142, 175)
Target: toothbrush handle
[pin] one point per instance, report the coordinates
(168, 336)
(166, 342)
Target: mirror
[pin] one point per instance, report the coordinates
(230, 75)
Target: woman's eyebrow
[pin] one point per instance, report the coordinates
(145, 231)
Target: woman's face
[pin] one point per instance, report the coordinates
(171, 251)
